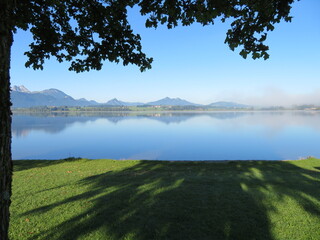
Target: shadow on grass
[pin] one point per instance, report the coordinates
(163, 200)
(22, 165)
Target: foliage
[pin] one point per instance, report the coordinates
(88, 32)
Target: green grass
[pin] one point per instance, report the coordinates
(145, 200)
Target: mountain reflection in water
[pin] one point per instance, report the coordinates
(237, 131)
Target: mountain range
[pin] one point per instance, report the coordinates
(21, 97)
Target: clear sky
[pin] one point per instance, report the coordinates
(193, 63)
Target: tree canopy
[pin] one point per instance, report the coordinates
(86, 33)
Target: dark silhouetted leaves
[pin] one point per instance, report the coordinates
(87, 33)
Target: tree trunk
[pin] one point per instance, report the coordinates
(6, 39)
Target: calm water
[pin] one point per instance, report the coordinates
(168, 136)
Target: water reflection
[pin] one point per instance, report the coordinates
(167, 135)
(23, 124)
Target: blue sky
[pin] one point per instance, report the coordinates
(193, 63)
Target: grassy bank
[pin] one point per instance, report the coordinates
(144, 200)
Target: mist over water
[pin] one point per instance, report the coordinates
(217, 135)
(273, 96)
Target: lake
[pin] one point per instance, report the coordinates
(219, 135)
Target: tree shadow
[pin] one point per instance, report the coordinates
(190, 200)
(22, 165)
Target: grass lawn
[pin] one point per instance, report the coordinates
(145, 200)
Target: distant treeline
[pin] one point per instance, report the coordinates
(153, 108)
(121, 108)
(71, 109)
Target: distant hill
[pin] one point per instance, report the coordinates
(116, 102)
(55, 93)
(230, 105)
(172, 102)
(21, 97)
